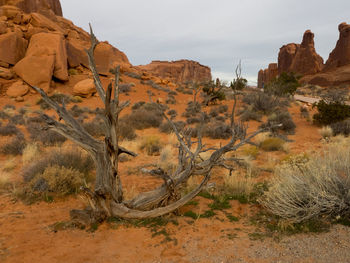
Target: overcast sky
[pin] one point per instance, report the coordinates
(215, 33)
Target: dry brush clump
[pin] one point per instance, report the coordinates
(310, 189)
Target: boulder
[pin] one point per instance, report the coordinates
(41, 21)
(36, 70)
(44, 44)
(48, 49)
(76, 53)
(306, 61)
(85, 88)
(9, 11)
(17, 89)
(6, 73)
(108, 57)
(180, 71)
(12, 47)
(340, 56)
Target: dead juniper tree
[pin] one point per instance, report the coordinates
(106, 199)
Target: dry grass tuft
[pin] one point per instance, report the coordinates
(4, 181)
(30, 152)
(151, 145)
(272, 144)
(238, 184)
(326, 132)
(9, 165)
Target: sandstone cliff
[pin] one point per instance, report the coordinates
(180, 71)
(303, 59)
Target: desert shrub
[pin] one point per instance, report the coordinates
(17, 119)
(281, 117)
(68, 158)
(330, 112)
(9, 106)
(172, 113)
(220, 118)
(57, 179)
(145, 116)
(335, 95)
(138, 105)
(133, 75)
(304, 112)
(222, 108)
(126, 132)
(172, 93)
(342, 127)
(46, 136)
(284, 84)
(213, 92)
(151, 145)
(263, 102)
(272, 144)
(4, 115)
(238, 84)
(326, 132)
(318, 188)
(77, 111)
(217, 130)
(57, 97)
(192, 109)
(166, 127)
(15, 146)
(126, 87)
(170, 100)
(251, 151)
(192, 120)
(213, 112)
(95, 127)
(9, 129)
(249, 113)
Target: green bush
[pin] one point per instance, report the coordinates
(281, 117)
(213, 92)
(284, 84)
(330, 112)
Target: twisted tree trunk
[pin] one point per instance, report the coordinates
(107, 198)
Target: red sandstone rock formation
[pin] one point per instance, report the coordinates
(46, 57)
(340, 55)
(56, 45)
(306, 60)
(302, 58)
(40, 6)
(286, 56)
(266, 75)
(180, 71)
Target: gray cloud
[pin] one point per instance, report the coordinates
(214, 33)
